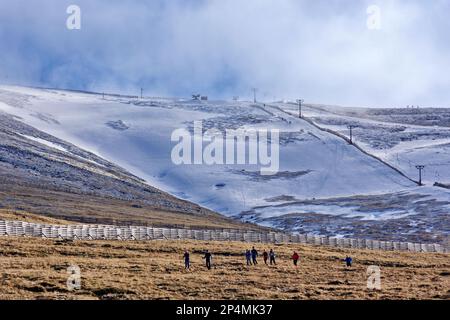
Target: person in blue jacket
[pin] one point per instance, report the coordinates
(272, 257)
(348, 261)
(248, 257)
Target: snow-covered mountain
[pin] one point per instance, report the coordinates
(323, 184)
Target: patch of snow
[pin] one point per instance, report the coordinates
(45, 142)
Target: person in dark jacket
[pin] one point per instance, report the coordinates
(187, 264)
(208, 258)
(254, 256)
(265, 256)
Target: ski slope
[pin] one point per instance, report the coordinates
(335, 169)
(136, 135)
(398, 136)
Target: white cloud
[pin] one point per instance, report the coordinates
(321, 50)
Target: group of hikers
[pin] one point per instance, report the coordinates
(251, 257)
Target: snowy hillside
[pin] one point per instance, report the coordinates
(403, 137)
(45, 175)
(323, 185)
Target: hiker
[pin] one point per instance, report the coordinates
(254, 256)
(187, 264)
(272, 257)
(295, 258)
(265, 256)
(208, 257)
(248, 256)
(348, 261)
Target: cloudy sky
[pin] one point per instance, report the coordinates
(320, 50)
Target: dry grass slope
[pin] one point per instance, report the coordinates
(72, 207)
(37, 269)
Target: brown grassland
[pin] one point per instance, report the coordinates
(46, 206)
(34, 268)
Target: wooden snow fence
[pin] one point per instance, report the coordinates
(136, 233)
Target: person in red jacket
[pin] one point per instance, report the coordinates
(295, 258)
